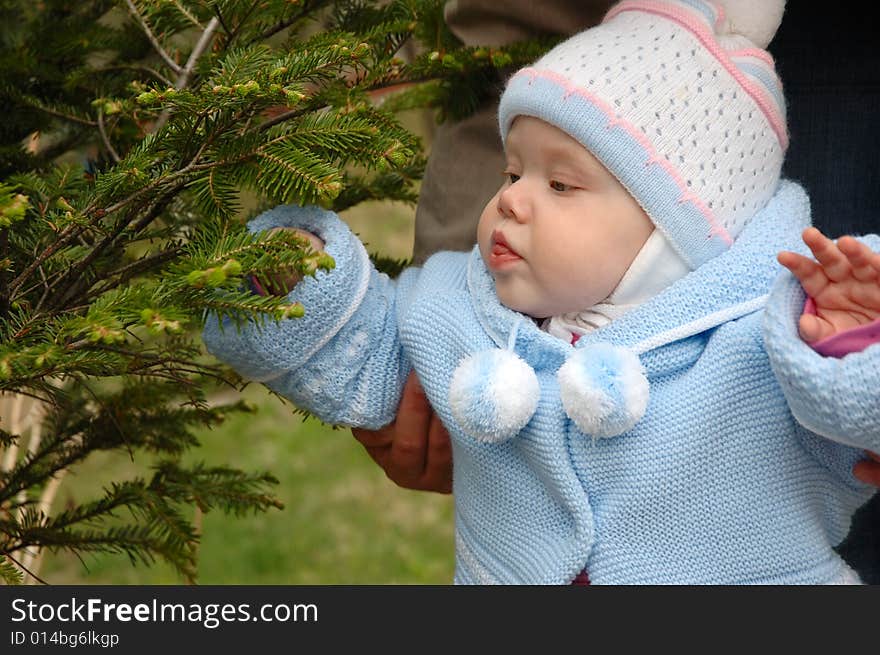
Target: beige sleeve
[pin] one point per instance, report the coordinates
(494, 23)
(466, 160)
(464, 171)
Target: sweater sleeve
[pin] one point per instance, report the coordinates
(343, 360)
(837, 398)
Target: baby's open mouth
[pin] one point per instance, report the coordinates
(501, 252)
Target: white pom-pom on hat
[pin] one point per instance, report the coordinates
(603, 389)
(757, 20)
(493, 395)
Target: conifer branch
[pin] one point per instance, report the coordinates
(183, 78)
(241, 23)
(32, 559)
(137, 67)
(124, 274)
(173, 65)
(223, 24)
(72, 231)
(110, 149)
(185, 12)
(9, 573)
(53, 111)
(284, 23)
(23, 567)
(4, 285)
(64, 237)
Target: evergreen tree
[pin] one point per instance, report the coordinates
(130, 130)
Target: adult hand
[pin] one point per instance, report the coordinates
(868, 470)
(414, 450)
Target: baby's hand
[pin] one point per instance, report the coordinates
(280, 284)
(844, 284)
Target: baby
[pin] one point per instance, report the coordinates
(635, 391)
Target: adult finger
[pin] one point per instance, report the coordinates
(412, 426)
(868, 471)
(834, 262)
(374, 438)
(377, 443)
(406, 478)
(379, 454)
(859, 256)
(438, 465)
(811, 276)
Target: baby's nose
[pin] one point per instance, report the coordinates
(513, 202)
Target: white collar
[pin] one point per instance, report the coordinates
(656, 266)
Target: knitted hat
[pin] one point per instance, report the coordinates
(687, 114)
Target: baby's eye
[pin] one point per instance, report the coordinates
(556, 185)
(511, 177)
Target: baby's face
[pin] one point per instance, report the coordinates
(561, 231)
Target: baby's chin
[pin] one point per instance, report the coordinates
(524, 305)
(533, 307)
(522, 296)
(515, 304)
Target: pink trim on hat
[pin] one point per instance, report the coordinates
(720, 15)
(653, 156)
(684, 18)
(756, 53)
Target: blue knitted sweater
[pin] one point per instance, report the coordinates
(738, 472)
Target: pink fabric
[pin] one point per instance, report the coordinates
(849, 341)
(581, 579)
(757, 53)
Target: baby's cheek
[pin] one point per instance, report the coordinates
(489, 220)
(484, 250)
(484, 235)
(506, 291)
(520, 295)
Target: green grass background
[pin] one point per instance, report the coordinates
(343, 521)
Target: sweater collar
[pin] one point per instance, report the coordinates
(732, 284)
